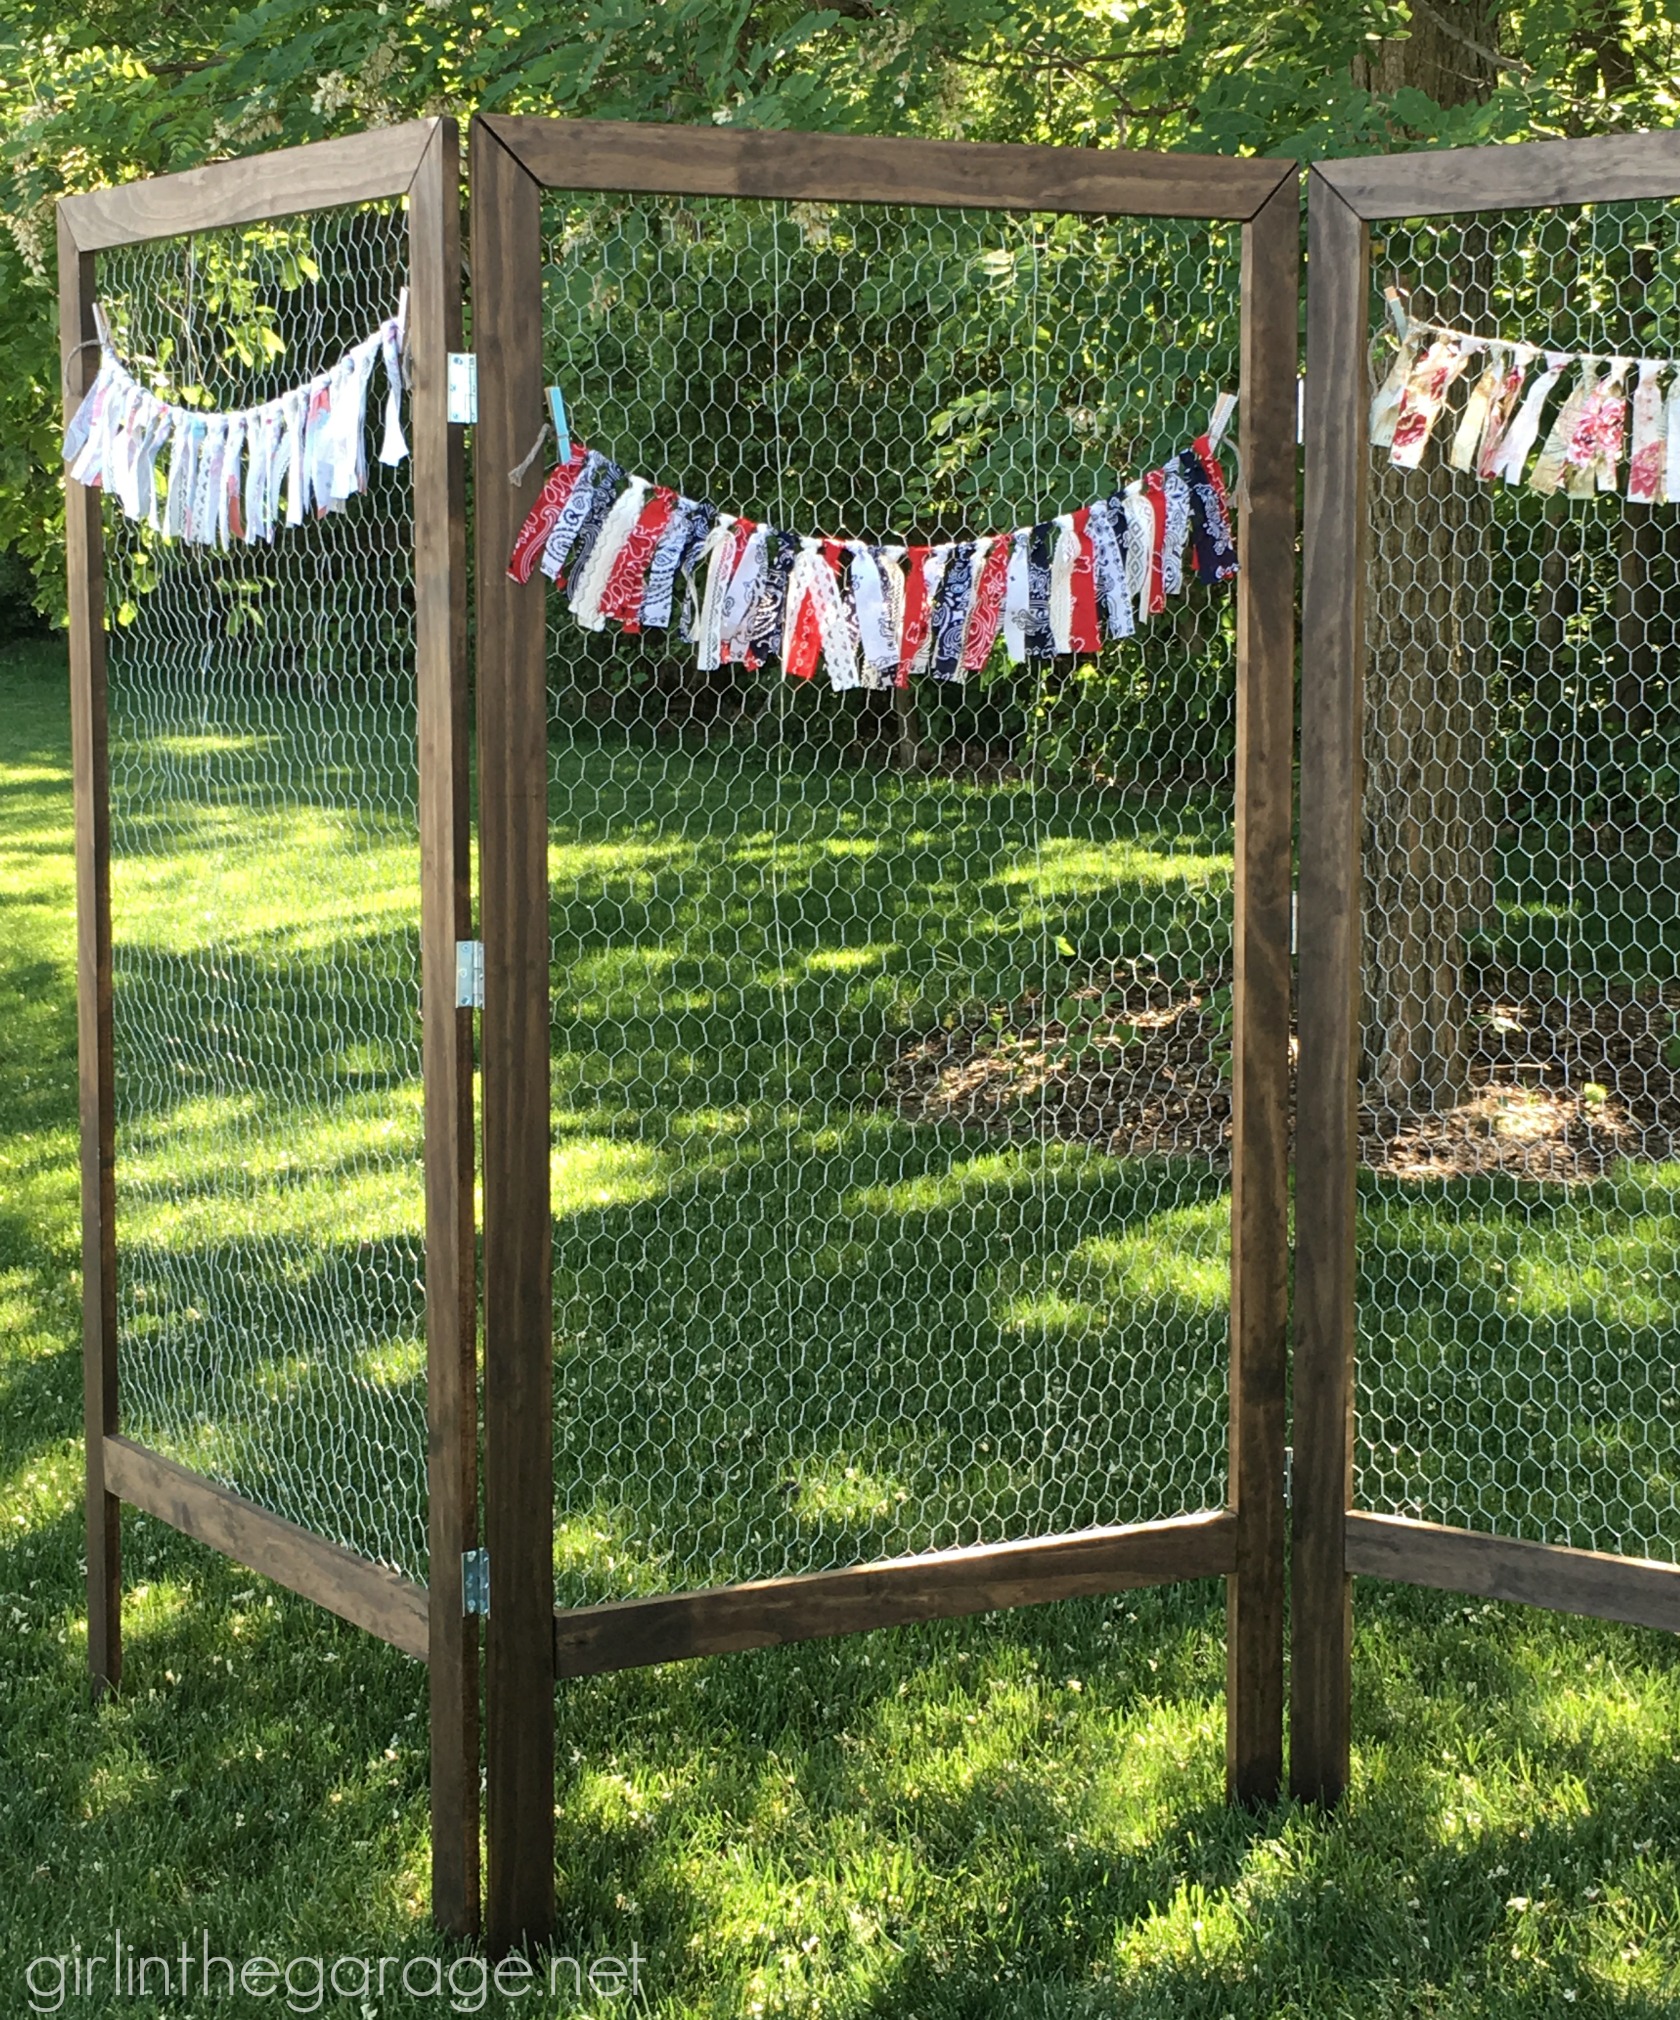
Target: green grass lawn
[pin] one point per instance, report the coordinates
(795, 1328)
(1017, 1816)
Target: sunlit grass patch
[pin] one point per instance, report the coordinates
(1055, 866)
(842, 1491)
(352, 1203)
(296, 881)
(591, 1172)
(1181, 1255)
(392, 1364)
(965, 1180)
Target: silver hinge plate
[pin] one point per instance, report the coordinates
(1288, 1475)
(469, 974)
(475, 1582)
(463, 386)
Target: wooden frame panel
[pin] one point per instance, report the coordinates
(939, 1585)
(1607, 168)
(364, 1593)
(1639, 1590)
(1332, 631)
(440, 574)
(417, 162)
(1261, 997)
(608, 154)
(90, 767)
(1331, 1540)
(513, 161)
(361, 168)
(513, 915)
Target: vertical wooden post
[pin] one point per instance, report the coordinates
(1260, 1087)
(513, 904)
(1326, 1130)
(89, 744)
(440, 571)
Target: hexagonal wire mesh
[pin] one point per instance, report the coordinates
(265, 922)
(1517, 1300)
(890, 1030)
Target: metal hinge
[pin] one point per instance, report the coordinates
(469, 974)
(475, 1582)
(1288, 1474)
(463, 386)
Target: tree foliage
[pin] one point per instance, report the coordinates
(105, 91)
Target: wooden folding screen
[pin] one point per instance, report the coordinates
(514, 160)
(413, 166)
(1550, 193)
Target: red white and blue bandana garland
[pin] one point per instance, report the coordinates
(213, 478)
(644, 557)
(1612, 409)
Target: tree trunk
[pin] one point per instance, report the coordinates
(1429, 826)
(908, 720)
(1428, 812)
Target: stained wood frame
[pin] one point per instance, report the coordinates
(1331, 1540)
(417, 162)
(513, 161)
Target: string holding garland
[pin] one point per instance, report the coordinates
(646, 557)
(1616, 409)
(213, 477)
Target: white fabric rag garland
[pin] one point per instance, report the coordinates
(227, 473)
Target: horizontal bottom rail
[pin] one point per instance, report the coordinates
(366, 1594)
(983, 1578)
(1638, 1590)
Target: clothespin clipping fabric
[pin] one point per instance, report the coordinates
(1396, 300)
(562, 432)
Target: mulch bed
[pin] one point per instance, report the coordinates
(1138, 1072)
(1561, 1090)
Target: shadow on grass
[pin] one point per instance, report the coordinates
(1516, 1356)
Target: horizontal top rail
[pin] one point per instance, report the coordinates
(1604, 168)
(610, 154)
(360, 168)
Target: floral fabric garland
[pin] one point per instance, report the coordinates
(1613, 411)
(213, 478)
(644, 557)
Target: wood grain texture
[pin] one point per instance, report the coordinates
(1633, 1589)
(1332, 656)
(440, 586)
(368, 1595)
(514, 1037)
(942, 1585)
(847, 168)
(356, 169)
(1604, 168)
(1260, 1090)
(90, 767)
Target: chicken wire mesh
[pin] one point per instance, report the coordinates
(1517, 1303)
(265, 921)
(891, 1029)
